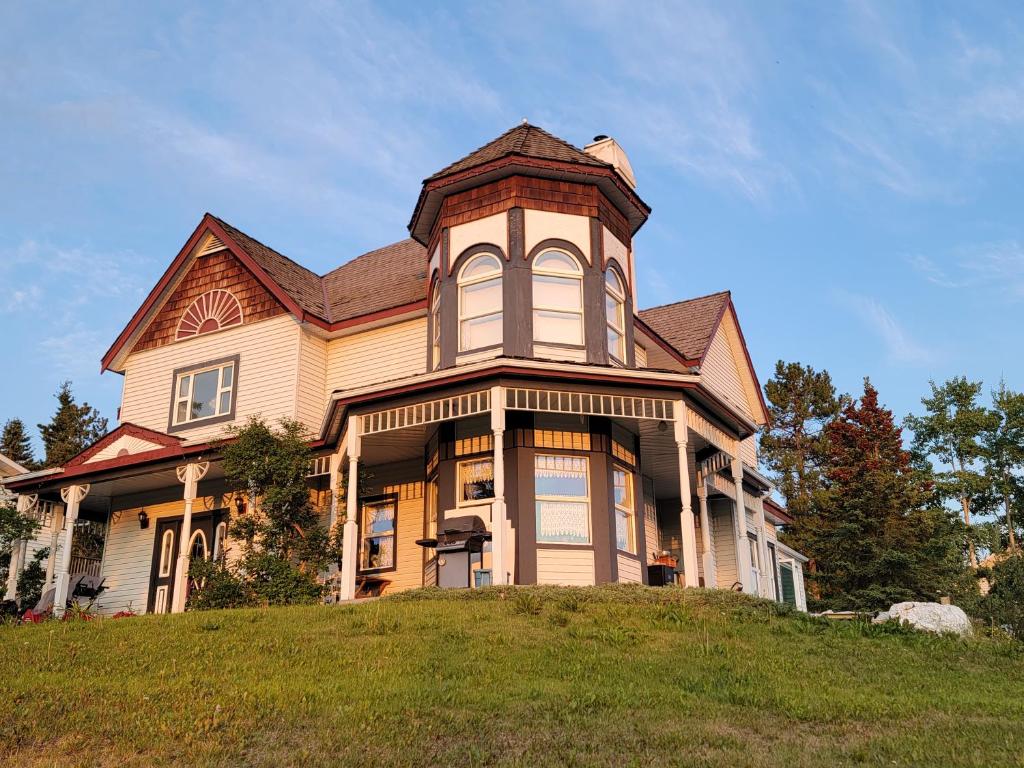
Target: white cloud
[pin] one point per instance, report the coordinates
(996, 268)
(900, 346)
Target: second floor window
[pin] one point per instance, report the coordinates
(204, 393)
(480, 303)
(615, 309)
(435, 327)
(557, 299)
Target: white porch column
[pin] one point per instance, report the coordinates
(688, 533)
(72, 496)
(350, 550)
(57, 522)
(767, 585)
(499, 571)
(17, 552)
(189, 474)
(710, 566)
(740, 528)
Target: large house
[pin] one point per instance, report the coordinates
(492, 372)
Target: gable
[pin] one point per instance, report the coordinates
(726, 369)
(125, 445)
(220, 271)
(127, 439)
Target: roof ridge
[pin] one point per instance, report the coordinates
(224, 223)
(726, 292)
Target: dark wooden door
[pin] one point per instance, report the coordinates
(165, 559)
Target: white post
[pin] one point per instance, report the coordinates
(740, 529)
(767, 585)
(499, 572)
(710, 566)
(350, 549)
(17, 552)
(72, 496)
(688, 533)
(57, 522)
(189, 474)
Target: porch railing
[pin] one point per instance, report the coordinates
(86, 565)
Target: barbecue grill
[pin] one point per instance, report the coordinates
(455, 545)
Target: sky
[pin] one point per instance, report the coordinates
(852, 172)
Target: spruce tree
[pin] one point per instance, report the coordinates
(878, 540)
(73, 428)
(16, 445)
(801, 402)
(950, 432)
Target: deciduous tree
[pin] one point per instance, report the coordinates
(1003, 457)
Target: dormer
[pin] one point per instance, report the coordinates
(530, 253)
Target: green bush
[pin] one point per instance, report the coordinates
(217, 585)
(32, 578)
(1003, 606)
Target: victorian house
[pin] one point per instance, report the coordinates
(522, 421)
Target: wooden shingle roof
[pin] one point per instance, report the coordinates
(388, 277)
(688, 325)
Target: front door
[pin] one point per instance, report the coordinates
(165, 554)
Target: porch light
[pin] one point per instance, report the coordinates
(143, 519)
(240, 504)
(662, 426)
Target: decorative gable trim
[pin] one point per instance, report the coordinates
(127, 436)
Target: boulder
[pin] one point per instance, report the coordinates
(929, 617)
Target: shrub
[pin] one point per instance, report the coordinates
(1003, 606)
(31, 579)
(217, 585)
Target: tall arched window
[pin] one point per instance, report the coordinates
(557, 299)
(480, 303)
(435, 325)
(615, 312)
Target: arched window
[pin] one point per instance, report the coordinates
(197, 546)
(218, 540)
(480, 303)
(435, 325)
(615, 312)
(166, 553)
(557, 299)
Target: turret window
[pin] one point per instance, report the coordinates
(480, 303)
(557, 299)
(435, 327)
(615, 311)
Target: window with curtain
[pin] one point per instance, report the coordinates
(625, 512)
(557, 299)
(435, 326)
(480, 303)
(378, 536)
(476, 480)
(615, 312)
(562, 492)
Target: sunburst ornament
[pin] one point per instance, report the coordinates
(212, 311)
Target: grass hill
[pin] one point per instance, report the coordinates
(612, 676)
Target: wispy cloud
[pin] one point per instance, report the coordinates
(997, 268)
(900, 346)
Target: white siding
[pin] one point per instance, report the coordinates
(266, 375)
(311, 394)
(570, 567)
(491, 230)
(748, 451)
(641, 357)
(725, 547)
(719, 373)
(377, 356)
(542, 225)
(629, 570)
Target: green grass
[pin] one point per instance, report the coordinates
(535, 676)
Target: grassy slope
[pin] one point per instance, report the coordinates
(608, 676)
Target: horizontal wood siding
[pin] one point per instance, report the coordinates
(311, 394)
(720, 374)
(404, 480)
(266, 375)
(571, 567)
(629, 570)
(723, 541)
(376, 356)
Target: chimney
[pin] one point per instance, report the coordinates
(608, 150)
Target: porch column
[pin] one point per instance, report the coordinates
(710, 574)
(57, 522)
(499, 572)
(688, 534)
(17, 552)
(72, 496)
(739, 520)
(350, 550)
(767, 585)
(189, 474)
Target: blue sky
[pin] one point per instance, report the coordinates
(851, 171)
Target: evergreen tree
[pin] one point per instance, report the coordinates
(73, 428)
(877, 541)
(1004, 455)
(801, 402)
(16, 445)
(950, 433)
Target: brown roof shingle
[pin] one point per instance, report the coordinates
(387, 277)
(527, 141)
(688, 325)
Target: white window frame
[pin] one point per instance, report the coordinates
(463, 283)
(166, 553)
(220, 535)
(566, 499)
(435, 322)
(461, 500)
(365, 535)
(221, 389)
(619, 297)
(576, 275)
(627, 510)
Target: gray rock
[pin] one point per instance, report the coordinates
(929, 617)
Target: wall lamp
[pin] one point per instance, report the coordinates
(240, 504)
(143, 519)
